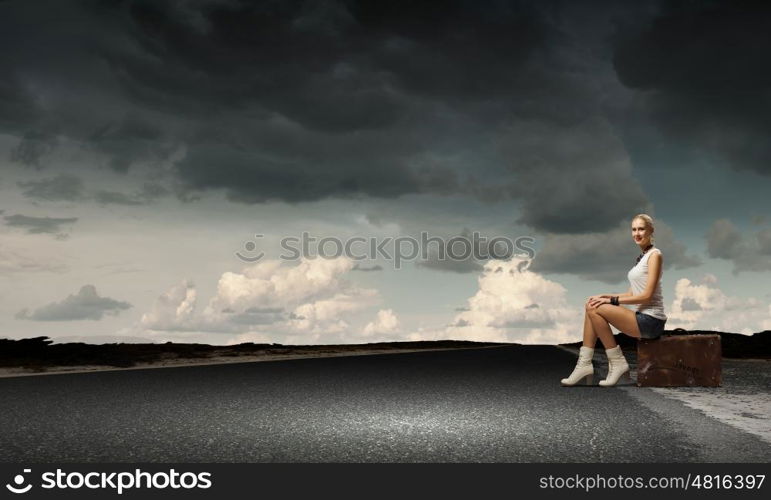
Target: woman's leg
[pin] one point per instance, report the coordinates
(622, 318)
(590, 338)
(601, 328)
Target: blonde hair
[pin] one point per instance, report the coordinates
(648, 222)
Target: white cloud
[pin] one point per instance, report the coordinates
(385, 322)
(703, 306)
(513, 304)
(269, 301)
(324, 316)
(173, 310)
(270, 284)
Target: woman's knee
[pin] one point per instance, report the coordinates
(604, 310)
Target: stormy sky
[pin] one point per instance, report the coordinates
(145, 145)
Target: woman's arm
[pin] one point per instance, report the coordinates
(596, 300)
(625, 294)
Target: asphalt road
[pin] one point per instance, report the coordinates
(502, 404)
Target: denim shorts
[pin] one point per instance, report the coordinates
(650, 327)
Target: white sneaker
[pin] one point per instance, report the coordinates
(584, 369)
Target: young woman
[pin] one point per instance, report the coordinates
(604, 310)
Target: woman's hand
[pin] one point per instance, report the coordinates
(594, 298)
(596, 301)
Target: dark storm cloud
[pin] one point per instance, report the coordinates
(314, 76)
(38, 225)
(328, 65)
(704, 73)
(302, 101)
(606, 257)
(17, 106)
(59, 88)
(66, 187)
(85, 305)
(725, 241)
(147, 194)
(250, 176)
(116, 198)
(20, 115)
(32, 147)
(572, 179)
(130, 141)
(63, 187)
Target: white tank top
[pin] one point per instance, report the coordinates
(638, 278)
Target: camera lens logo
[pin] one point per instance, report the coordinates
(19, 481)
(250, 246)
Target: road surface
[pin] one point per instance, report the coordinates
(501, 404)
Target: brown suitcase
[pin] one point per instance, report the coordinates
(679, 360)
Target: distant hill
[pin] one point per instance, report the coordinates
(735, 345)
(39, 353)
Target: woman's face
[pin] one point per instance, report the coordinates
(640, 232)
